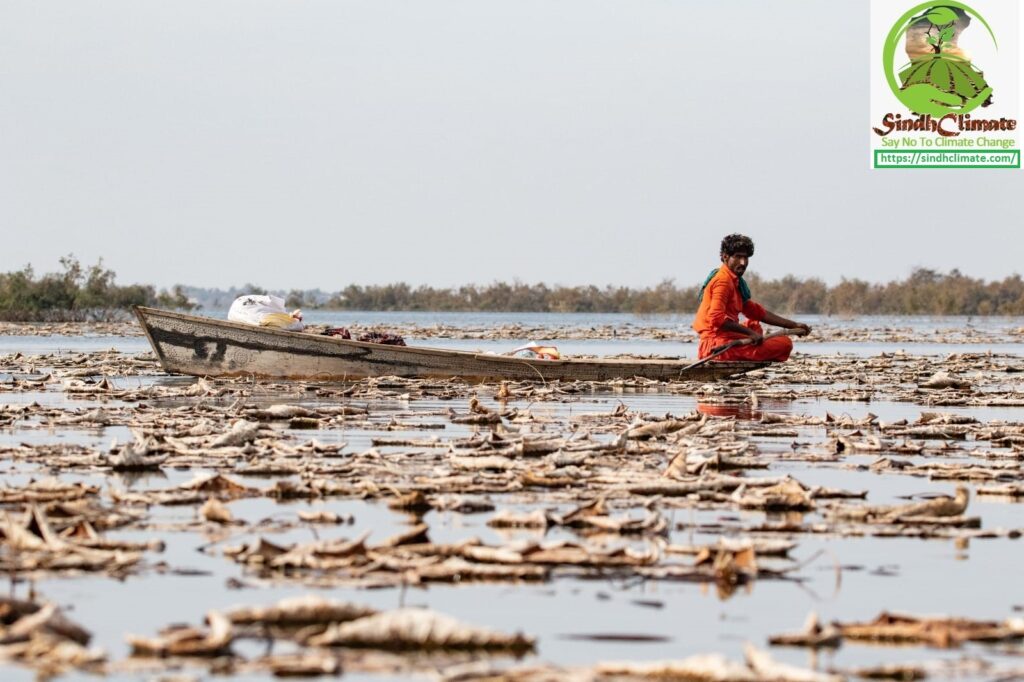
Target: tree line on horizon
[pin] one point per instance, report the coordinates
(923, 292)
(90, 293)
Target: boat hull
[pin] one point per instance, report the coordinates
(200, 346)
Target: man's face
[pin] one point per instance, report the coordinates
(737, 262)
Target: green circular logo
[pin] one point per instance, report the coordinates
(939, 79)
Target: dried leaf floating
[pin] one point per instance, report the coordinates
(77, 386)
(215, 511)
(904, 672)
(188, 641)
(282, 412)
(456, 570)
(140, 455)
(220, 486)
(814, 635)
(702, 667)
(761, 546)
(1007, 490)
(19, 618)
(38, 635)
(652, 523)
(241, 432)
(934, 509)
(570, 553)
(730, 567)
(941, 632)
(415, 535)
(509, 519)
(311, 664)
(324, 516)
(48, 490)
(299, 611)
(786, 496)
(759, 666)
(941, 380)
(769, 669)
(257, 553)
(661, 428)
(417, 629)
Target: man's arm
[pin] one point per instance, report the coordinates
(779, 321)
(736, 327)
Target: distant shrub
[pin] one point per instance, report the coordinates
(76, 294)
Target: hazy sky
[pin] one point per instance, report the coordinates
(301, 144)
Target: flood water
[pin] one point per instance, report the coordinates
(845, 578)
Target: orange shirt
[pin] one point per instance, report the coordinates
(721, 302)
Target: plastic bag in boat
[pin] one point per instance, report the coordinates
(534, 350)
(264, 311)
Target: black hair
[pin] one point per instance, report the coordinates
(736, 243)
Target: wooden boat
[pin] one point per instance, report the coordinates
(202, 346)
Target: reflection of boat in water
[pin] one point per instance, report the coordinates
(202, 346)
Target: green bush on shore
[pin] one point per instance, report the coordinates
(76, 294)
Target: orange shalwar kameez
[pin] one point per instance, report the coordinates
(722, 301)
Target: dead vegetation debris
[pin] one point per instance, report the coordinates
(572, 481)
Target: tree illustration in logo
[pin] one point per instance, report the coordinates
(940, 79)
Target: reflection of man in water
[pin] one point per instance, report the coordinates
(737, 411)
(724, 296)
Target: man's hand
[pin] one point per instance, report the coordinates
(779, 321)
(755, 338)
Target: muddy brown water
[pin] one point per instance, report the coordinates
(577, 622)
